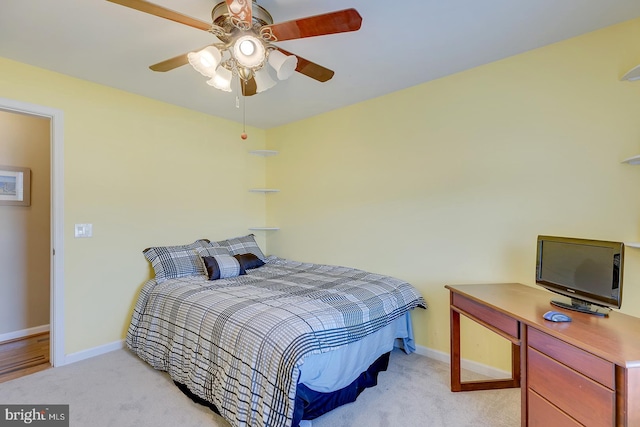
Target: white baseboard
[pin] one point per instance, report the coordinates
(479, 368)
(24, 333)
(92, 352)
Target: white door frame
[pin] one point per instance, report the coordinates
(56, 320)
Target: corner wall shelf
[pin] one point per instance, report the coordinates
(264, 190)
(632, 74)
(264, 153)
(635, 160)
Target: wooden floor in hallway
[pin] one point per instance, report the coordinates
(24, 356)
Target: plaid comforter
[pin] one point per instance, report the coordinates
(239, 343)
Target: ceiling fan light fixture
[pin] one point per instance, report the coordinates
(285, 65)
(246, 32)
(249, 51)
(221, 79)
(263, 80)
(205, 61)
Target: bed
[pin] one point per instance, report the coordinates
(267, 341)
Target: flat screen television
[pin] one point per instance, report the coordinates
(588, 272)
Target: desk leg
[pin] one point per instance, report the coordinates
(456, 384)
(515, 364)
(456, 373)
(524, 399)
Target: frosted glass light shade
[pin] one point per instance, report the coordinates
(221, 80)
(283, 64)
(205, 61)
(263, 80)
(249, 51)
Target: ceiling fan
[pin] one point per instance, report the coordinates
(246, 32)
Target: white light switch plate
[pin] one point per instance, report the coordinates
(83, 230)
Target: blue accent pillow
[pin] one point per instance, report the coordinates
(249, 261)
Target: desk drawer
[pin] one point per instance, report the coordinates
(586, 363)
(544, 414)
(489, 316)
(590, 403)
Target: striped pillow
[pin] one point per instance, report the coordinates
(243, 245)
(222, 267)
(170, 262)
(212, 250)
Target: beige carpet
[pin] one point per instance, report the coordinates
(118, 389)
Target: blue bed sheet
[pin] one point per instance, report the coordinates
(337, 369)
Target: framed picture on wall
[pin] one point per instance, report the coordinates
(15, 186)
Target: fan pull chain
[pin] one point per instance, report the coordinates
(243, 135)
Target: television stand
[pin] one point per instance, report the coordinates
(581, 307)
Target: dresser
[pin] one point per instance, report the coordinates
(580, 373)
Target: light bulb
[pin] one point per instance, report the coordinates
(249, 52)
(247, 47)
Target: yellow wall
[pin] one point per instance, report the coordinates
(144, 173)
(451, 181)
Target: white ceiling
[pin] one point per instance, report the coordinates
(400, 44)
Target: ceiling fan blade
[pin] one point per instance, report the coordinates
(329, 23)
(162, 12)
(170, 64)
(241, 10)
(311, 69)
(249, 88)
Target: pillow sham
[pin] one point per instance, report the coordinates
(249, 261)
(212, 251)
(243, 245)
(222, 267)
(170, 262)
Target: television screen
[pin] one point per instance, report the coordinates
(587, 271)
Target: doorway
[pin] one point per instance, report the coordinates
(56, 252)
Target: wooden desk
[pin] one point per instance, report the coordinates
(580, 373)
